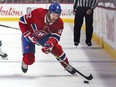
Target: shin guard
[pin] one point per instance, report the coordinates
(29, 58)
(61, 56)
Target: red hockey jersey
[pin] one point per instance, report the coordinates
(36, 23)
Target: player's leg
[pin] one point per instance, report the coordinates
(89, 28)
(78, 21)
(62, 58)
(59, 54)
(28, 54)
(2, 54)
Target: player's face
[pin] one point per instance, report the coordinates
(54, 16)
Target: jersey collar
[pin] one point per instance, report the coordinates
(46, 20)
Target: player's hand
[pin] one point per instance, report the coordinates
(48, 47)
(30, 37)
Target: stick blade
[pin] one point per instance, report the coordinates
(90, 77)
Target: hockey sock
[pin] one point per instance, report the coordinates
(61, 56)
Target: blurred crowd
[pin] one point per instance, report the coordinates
(101, 2)
(110, 3)
(35, 1)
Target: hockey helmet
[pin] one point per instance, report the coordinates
(55, 7)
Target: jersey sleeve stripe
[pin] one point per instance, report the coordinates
(33, 26)
(56, 36)
(27, 33)
(22, 20)
(62, 57)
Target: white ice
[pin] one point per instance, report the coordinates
(46, 71)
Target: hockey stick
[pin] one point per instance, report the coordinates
(90, 77)
(9, 27)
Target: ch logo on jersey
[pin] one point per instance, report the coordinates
(40, 33)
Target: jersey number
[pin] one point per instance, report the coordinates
(28, 16)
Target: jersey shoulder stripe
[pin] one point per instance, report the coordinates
(22, 20)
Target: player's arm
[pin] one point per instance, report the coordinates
(23, 23)
(53, 39)
(55, 36)
(56, 32)
(94, 4)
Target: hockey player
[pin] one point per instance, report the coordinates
(44, 27)
(2, 54)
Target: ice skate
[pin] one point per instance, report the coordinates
(3, 55)
(76, 43)
(89, 44)
(24, 67)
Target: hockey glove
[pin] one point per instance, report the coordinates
(48, 47)
(30, 37)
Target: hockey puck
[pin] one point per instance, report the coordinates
(87, 82)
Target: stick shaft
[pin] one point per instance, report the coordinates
(9, 27)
